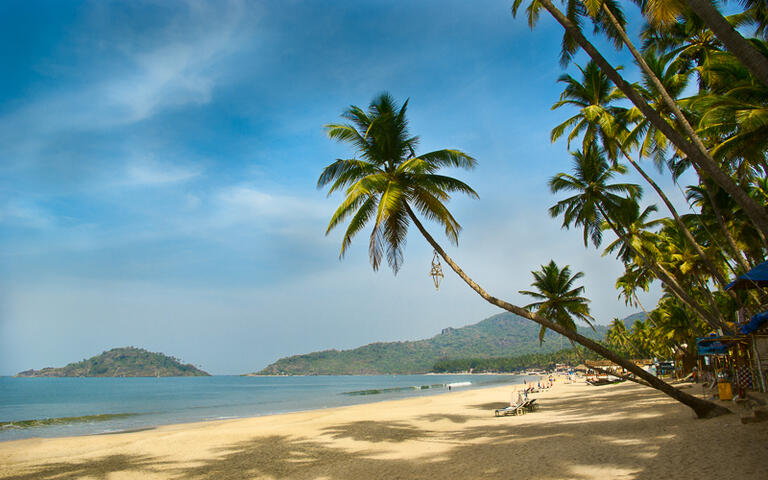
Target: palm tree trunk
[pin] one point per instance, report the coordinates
(722, 282)
(640, 304)
(696, 153)
(731, 38)
(737, 255)
(600, 369)
(702, 408)
(682, 121)
(756, 294)
(687, 233)
(713, 319)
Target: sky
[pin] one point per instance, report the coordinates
(159, 160)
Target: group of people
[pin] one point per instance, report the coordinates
(522, 394)
(540, 385)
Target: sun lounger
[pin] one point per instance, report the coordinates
(510, 410)
(530, 405)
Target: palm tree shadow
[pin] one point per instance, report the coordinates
(436, 417)
(101, 468)
(369, 431)
(272, 457)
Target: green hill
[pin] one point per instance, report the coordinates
(629, 321)
(501, 335)
(121, 362)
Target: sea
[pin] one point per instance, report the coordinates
(56, 407)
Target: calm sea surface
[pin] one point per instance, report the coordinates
(160, 401)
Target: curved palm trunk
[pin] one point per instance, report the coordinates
(702, 408)
(640, 304)
(695, 152)
(722, 282)
(761, 216)
(737, 255)
(687, 233)
(731, 38)
(599, 369)
(714, 320)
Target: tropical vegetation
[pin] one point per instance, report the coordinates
(544, 361)
(500, 336)
(697, 109)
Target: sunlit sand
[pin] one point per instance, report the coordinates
(579, 432)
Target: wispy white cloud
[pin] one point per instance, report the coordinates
(236, 204)
(179, 65)
(25, 214)
(149, 172)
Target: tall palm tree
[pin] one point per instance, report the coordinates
(731, 38)
(689, 39)
(599, 120)
(559, 299)
(595, 201)
(594, 196)
(388, 179)
(635, 277)
(687, 141)
(392, 177)
(734, 113)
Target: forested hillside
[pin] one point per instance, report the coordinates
(501, 335)
(121, 362)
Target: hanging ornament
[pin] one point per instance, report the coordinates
(436, 272)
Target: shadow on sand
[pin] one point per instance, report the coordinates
(578, 445)
(98, 469)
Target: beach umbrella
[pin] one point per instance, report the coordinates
(755, 278)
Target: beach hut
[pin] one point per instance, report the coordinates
(730, 361)
(755, 330)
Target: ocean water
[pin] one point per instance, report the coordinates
(137, 403)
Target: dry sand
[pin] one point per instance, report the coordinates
(580, 432)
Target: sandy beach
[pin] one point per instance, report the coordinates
(580, 432)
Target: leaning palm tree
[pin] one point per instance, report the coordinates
(598, 118)
(595, 202)
(635, 277)
(559, 299)
(663, 12)
(608, 19)
(594, 196)
(389, 180)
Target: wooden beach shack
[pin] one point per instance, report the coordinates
(740, 361)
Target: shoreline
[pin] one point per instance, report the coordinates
(582, 432)
(90, 424)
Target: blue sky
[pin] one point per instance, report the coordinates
(158, 163)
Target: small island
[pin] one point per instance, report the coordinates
(122, 362)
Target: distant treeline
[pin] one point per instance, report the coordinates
(513, 364)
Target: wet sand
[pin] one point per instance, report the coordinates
(579, 432)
